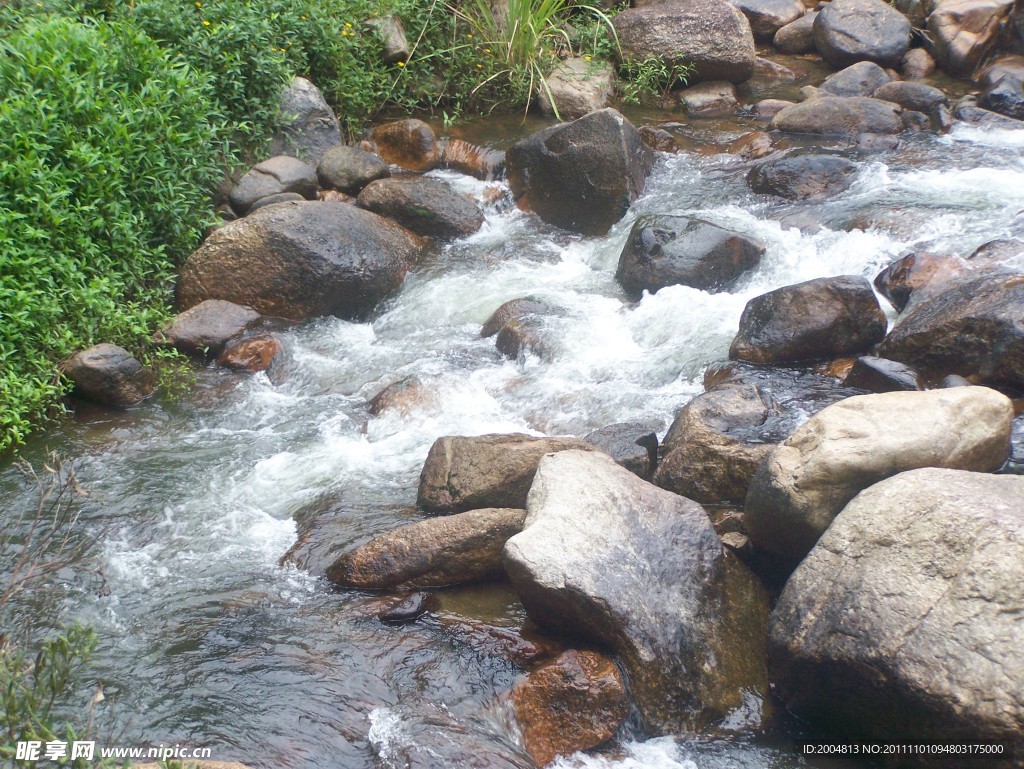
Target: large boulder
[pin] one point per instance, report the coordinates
(905, 621)
(975, 328)
(449, 550)
(306, 125)
(302, 260)
(802, 176)
(349, 169)
(575, 702)
(677, 250)
(838, 116)
(711, 35)
(609, 557)
(965, 31)
(915, 274)
(205, 329)
(470, 472)
(410, 144)
(860, 79)
(821, 318)
(767, 17)
(576, 87)
(109, 375)
(848, 31)
(845, 448)
(428, 207)
(278, 175)
(581, 176)
(798, 36)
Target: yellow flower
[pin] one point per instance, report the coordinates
(198, 4)
(468, 35)
(206, 23)
(487, 50)
(401, 64)
(348, 24)
(586, 58)
(479, 66)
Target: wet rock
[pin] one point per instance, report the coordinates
(272, 200)
(307, 127)
(273, 177)
(995, 71)
(912, 96)
(577, 87)
(512, 310)
(972, 328)
(879, 375)
(1005, 97)
(301, 260)
(409, 144)
(349, 169)
(997, 252)
(523, 647)
(428, 207)
(204, 329)
(917, 64)
(634, 445)
(448, 550)
(836, 116)
(409, 608)
(753, 146)
(905, 621)
(677, 250)
(581, 176)
(848, 31)
(845, 448)
(471, 472)
(575, 702)
(968, 111)
(916, 274)
(472, 160)
(658, 139)
(915, 122)
(954, 380)
(767, 17)
(109, 375)
(964, 31)
(797, 37)
(803, 176)
(768, 70)
(391, 33)
(716, 98)
(404, 396)
(712, 35)
(524, 335)
(713, 448)
(821, 318)
(253, 353)
(685, 618)
(860, 79)
(766, 109)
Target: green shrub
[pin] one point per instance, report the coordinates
(108, 151)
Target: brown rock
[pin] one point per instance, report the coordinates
(404, 396)
(803, 176)
(753, 146)
(917, 64)
(658, 139)
(766, 109)
(277, 175)
(797, 37)
(767, 17)
(965, 31)
(916, 274)
(206, 328)
(349, 169)
(575, 702)
(512, 310)
(470, 472)
(472, 160)
(524, 335)
(108, 374)
(253, 353)
(716, 98)
(428, 207)
(410, 144)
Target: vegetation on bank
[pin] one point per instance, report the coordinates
(120, 117)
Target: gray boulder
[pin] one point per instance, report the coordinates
(205, 329)
(349, 169)
(860, 79)
(302, 260)
(848, 31)
(472, 472)
(677, 250)
(307, 127)
(634, 445)
(109, 375)
(917, 64)
(836, 116)
(802, 176)
(860, 441)
(613, 559)
(821, 318)
(712, 35)
(797, 37)
(879, 375)
(280, 174)
(450, 550)
(581, 176)
(905, 621)
(428, 207)
(578, 87)
(767, 17)
(915, 96)
(1006, 96)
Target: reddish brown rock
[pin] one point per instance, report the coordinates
(254, 353)
(916, 274)
(404, 396)
(410, 144)
(206, 328)
(575, 702)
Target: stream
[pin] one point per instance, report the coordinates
(206, 639)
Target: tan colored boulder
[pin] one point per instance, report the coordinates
(965, 31)
(577, 87)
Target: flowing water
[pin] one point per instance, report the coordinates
(206, 640)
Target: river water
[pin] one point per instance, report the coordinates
(207, 640)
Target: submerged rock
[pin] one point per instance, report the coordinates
(609, 557)
(470, 472)
(410, 144)
(428, 207)
(515, 309)
(448, 550)
(109, 375)
(575, 702)
(821, 318)
(581, 176)
(409, 608)
(859, 441)
(712, 35)
(205, 329)
(278, 175)
(307, 127)
(905, 621)
(302, 260)
(848, 31)
(678, 250)
(802, 176)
